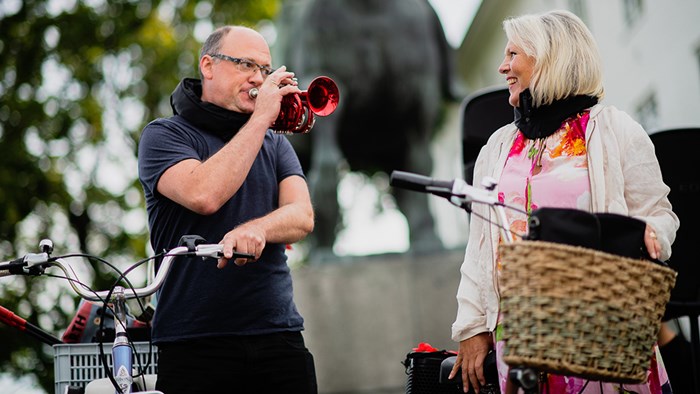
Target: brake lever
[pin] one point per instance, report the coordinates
(33, 264)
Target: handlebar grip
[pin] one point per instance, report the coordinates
(419, 183)
(237, 255)
(13, 267)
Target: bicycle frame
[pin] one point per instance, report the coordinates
(459, 193)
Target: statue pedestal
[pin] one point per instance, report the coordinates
(363, 315)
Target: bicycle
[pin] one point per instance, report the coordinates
(528, 368)
(122, 377)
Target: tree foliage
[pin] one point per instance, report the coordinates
(78, 81)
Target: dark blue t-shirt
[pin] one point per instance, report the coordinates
(197, 299)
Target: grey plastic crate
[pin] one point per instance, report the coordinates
(78, 364)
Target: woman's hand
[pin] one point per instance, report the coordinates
(652, 244)
(470, 359)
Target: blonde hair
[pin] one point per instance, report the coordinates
(567, 62)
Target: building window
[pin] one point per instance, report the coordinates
(633, 11)
(648, 114)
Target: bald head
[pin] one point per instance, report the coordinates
(234, 33)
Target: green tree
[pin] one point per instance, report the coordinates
(78, 81)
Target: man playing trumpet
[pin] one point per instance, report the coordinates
(215, 169)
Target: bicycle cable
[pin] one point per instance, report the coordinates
(105, 306)
(103, 357)
(141, 368)
(497, 225)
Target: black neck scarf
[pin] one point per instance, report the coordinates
(543, 121)
(186, 101)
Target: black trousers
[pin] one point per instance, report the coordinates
(272, 363)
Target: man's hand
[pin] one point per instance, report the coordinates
(268, 102)
(246, 238)
(470, 359)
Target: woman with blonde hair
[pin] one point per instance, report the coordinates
(564, 150)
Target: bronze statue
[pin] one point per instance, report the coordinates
(393, 66)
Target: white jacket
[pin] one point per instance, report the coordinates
(625, 179)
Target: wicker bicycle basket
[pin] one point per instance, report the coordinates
(580, 312)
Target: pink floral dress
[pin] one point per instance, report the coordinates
(553, 172)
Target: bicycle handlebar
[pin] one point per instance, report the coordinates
(458, 192)
(420, 183)
(35, 263)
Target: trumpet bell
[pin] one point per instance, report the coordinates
(323, 96)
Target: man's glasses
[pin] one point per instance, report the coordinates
(245, 65)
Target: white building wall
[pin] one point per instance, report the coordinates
(656, 56)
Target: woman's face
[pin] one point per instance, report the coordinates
(517, 67)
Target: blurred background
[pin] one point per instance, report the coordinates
(80, 79)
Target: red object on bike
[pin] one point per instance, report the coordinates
(76, 329)
(8, 317)
(85, 325)
(424, 347)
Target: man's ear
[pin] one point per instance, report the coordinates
(205, 66)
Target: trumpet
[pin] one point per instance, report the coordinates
(297, 110)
